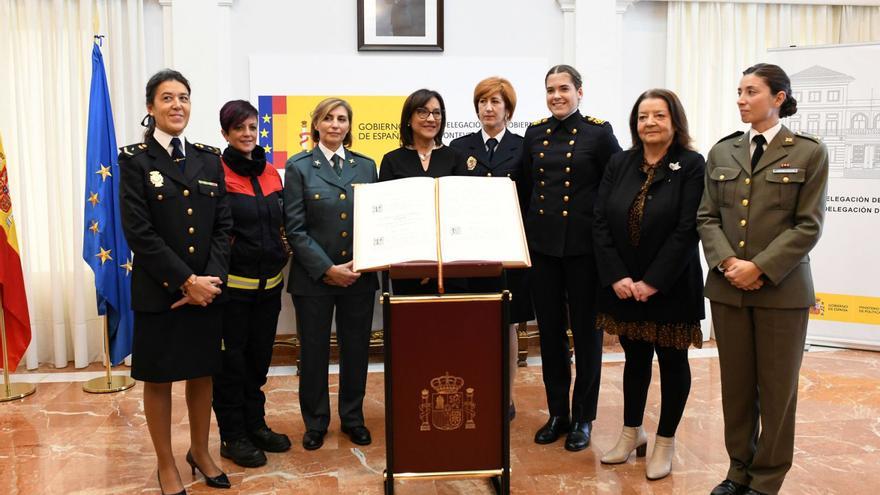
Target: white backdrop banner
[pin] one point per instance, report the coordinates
(838, 93)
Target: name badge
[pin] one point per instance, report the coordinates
(786, 170)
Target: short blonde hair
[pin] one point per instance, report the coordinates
(492, 85)
(325, 107)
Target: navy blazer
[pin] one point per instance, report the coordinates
(505, 161)
(667, 257)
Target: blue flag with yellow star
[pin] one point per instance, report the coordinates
(104, 245)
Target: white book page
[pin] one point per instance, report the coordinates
(480, 221)
(394, 222)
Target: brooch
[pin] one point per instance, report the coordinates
(471, 163)
(156, 178)
(674, 166)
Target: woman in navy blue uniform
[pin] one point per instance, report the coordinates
(493, 151)
(318, 203)
(651, 283)
(254, 288)
(176, 220)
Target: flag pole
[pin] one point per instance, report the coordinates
(109, 383)
(12, 391)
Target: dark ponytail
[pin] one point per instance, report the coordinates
(152, 85)
(777, 80)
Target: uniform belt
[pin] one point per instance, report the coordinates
(246, 283)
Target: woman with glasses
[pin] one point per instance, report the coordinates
(422, 154)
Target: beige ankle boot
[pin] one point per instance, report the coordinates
(631, 438)
(661, 458)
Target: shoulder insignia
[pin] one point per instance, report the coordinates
(594, 120)
(361, 155)
(133, 149)
(729, 136)
(811, 137)
(207, 149)
(299, 156)
(540, 121)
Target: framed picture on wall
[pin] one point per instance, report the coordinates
(400, 25)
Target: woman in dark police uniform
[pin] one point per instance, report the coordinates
(563, 159)
(318, 203)
(176, 219)
(651, 282)
(494, 151)
(250, 316)
(422, 154)
(761, 214)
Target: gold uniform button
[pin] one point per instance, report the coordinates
(568, 155)
(488, 174)
(191, 250)
(343, 215)
(344, 234)
(743, 222)
(212, 194)
(568, 170)
(189, 211)
(546, 143)
(748, 181)
(160, 197)
(342, 196)
(541, 170)
(540, 212)
(541, 183)
(548, 131)
(571, 143)
(164, 284)
(191, 230)
(541, 155)
(721, 177)
(567, 184)
(565, 213)
(742, 243)
(565, 199)
(785, 180)
(508, 175)
(541, 197)
(317, 196)
(745, 202)
(186, 192)
(574, 131)
(344, 253)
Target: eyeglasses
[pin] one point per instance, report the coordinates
(423, 113)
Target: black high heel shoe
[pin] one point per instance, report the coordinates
(181, 492)
(219, 481)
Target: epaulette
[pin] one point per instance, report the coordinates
(811, 137)
(593, 120)
(133, 149)
(355, 153)
(735, 134)
(540, 121)
(299, 156)
(207, 149)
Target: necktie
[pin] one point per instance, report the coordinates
(177, 153)
(759, 141)
(337, 165)
(491, 144)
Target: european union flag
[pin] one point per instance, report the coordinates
(104, 245)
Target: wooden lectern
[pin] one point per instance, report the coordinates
(446, 379)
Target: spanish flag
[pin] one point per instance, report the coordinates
(15, 308)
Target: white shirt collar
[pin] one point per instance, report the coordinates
(769, 134)
(164, 139)
(329, 154)
(498, 136)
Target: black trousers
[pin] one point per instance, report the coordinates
(675, 383)
(249, 322)
(564, 293)
(354, 319)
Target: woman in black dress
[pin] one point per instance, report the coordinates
(176, 220)
(493, 151)
(422, 154)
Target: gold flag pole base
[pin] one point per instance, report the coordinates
(109, 383)
(102, 385)
(16, 391)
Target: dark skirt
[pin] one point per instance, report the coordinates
(179, 344)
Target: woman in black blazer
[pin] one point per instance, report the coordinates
(646, 243)
(176, 219)
(494, 151)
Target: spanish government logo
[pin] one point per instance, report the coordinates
(447, 408)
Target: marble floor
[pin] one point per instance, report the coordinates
(64, 441)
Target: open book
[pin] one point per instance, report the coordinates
(449, 219)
